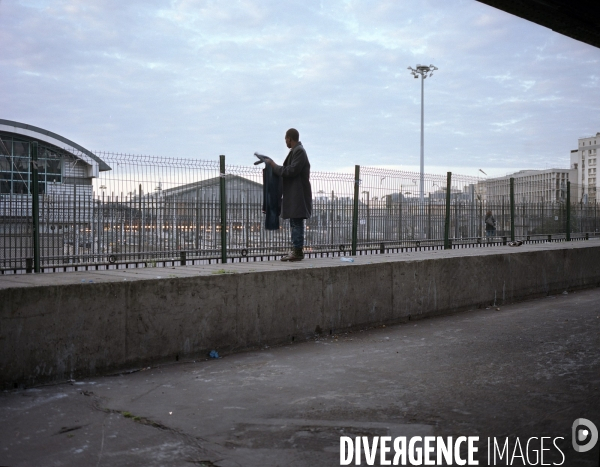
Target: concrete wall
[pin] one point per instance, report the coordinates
(66, 329)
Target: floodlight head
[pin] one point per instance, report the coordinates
(415, 75)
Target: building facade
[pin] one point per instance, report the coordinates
(584, 163)
(65, 174)
(530, 186)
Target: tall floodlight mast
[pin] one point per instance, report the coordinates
(424, 71)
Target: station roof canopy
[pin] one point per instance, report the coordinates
(577, 19)
(31, 132)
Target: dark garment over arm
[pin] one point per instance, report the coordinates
(297, 193)
(272, 187)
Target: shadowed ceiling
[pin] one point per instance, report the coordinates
(578, 19)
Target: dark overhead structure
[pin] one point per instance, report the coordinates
(578, 19)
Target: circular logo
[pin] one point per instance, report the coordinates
(584, 432)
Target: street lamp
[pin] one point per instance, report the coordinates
(159, 213)
(424, 71)
(320, 215)
(480, 185)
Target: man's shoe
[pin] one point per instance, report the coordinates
(288, 256)
(295, 255)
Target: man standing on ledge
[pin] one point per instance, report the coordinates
(297, 193)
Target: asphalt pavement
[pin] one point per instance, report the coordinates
(523, 371)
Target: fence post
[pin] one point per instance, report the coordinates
(332, 218)
(542, 209)
(568, 211)
(503, 217)
(429, 218)
(75, 236)
(355, 209)
(35, 206)
(400, 217)
(447, 221)
(197, 243)
(223, 203)
(512, 209)
(140, 224)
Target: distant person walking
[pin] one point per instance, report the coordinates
(490, 224)
(297, 192)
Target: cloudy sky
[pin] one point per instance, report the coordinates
(199, 78)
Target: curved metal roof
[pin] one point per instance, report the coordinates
(34, 132)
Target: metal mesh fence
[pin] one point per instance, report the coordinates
(540, 206)
(393, 209)
(148, 210)
(152, 208)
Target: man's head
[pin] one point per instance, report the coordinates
(292, 137)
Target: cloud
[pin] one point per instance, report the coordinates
(199, 78)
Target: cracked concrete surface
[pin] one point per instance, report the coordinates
(528, 369)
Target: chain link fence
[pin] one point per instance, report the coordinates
(152, 211)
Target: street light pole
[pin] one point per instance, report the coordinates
(424, 71)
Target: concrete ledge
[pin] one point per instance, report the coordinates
(59, 326)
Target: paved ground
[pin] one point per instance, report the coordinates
(525, 370)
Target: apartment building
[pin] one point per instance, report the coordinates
(584, 162)
(531, 186)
